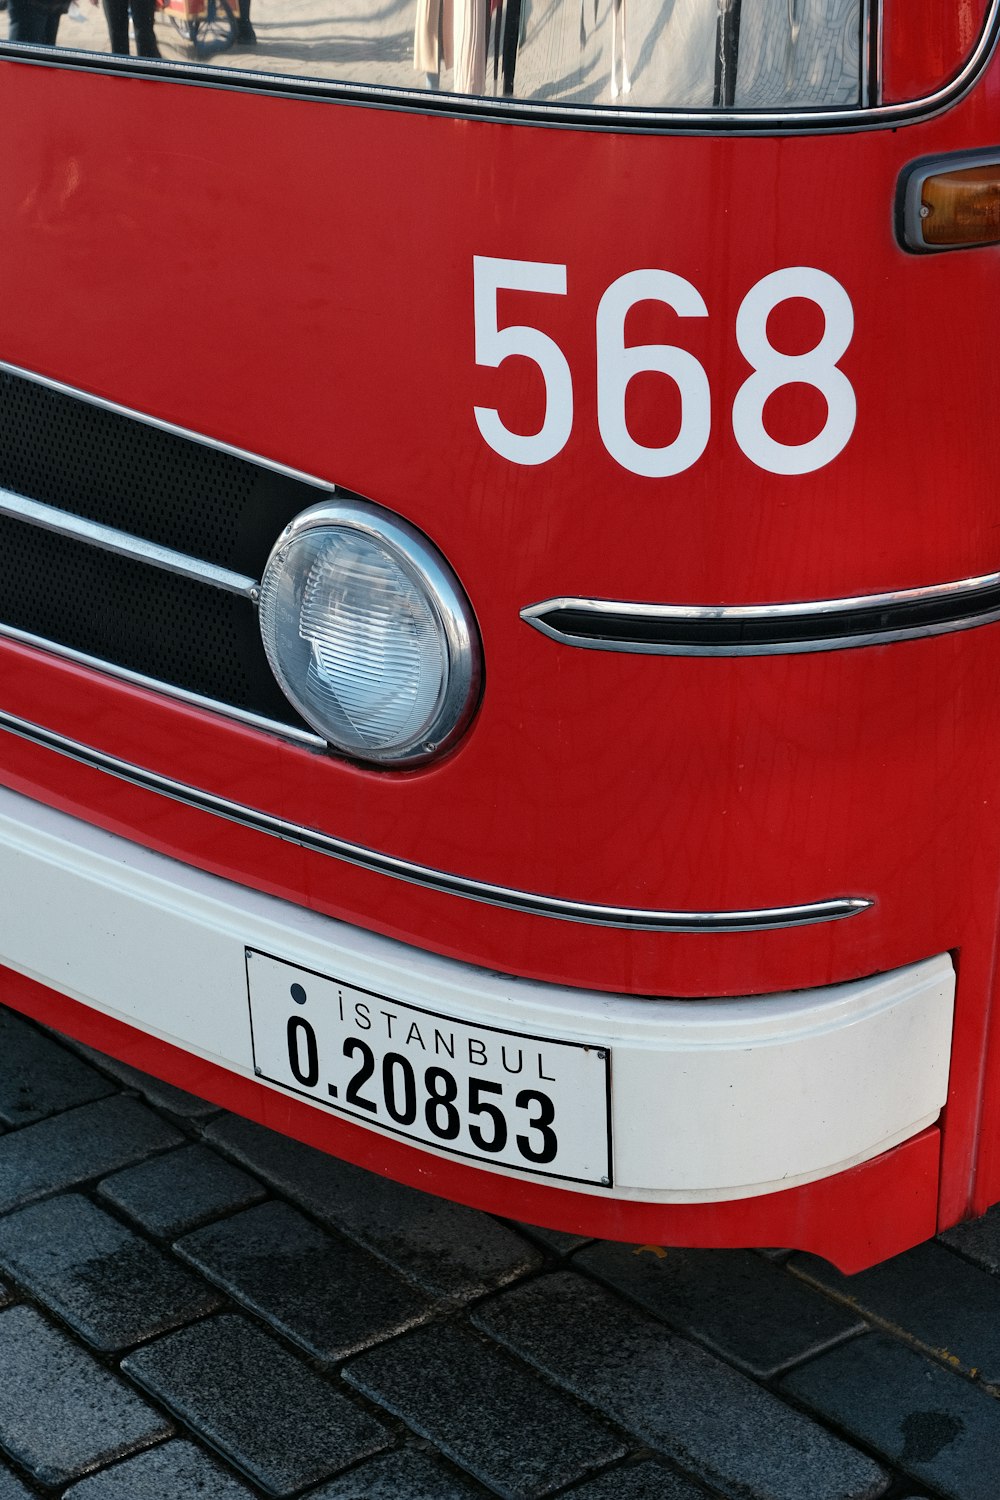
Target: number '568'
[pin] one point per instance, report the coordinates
(618, 362)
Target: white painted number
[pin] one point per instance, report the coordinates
(772, 370)
(617, 363)
(495, 344)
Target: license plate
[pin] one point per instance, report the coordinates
(532, 1103)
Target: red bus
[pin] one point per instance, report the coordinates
(499, 593)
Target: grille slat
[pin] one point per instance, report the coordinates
(174, 491)
(124, 543)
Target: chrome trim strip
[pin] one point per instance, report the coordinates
(587, 117)
(165, 689)
(124, 544)
(632, 918)
(876, 42)
(971, 602)
(325, 486)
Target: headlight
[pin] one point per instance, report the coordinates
(369, 634)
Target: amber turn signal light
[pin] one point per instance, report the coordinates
(962, 208)
(951, 203)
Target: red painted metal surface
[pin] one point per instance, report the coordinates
(311, 300)
(854, 1219)
(925, 43)
(596, 776)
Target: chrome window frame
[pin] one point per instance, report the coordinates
(870, 114)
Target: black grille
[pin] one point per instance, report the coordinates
(165, 488)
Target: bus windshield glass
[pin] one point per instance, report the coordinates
(653, 54)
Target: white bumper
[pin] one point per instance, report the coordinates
(711, 1099)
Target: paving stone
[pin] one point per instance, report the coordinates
(180, 1191)
(11, 1487)
(489, 1413)
(61, 1413)
(324, 1293)
(163, 1095)
(39, 1077)
(648, 1480)
(174, 1471)
(113, 1288)
(937, 1426)
(978, 1241)
(266, 1411)
(740, 1305)
(447, 1250)
(406, 1475)
(931, 1296)
(71, 1148)
(679, 1400)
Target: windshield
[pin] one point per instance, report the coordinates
(693, 54)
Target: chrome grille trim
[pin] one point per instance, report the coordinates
(124, 544)
(561, 909)
(173, 428)
(133, 548)
(165, 689)
(768, 629)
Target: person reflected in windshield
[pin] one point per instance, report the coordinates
(35, 21)
(245, 34)
(452, 34)
(116, 13)
(513, 36)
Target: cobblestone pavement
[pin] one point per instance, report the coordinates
(192, 1307)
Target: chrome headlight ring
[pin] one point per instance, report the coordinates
(369, 634)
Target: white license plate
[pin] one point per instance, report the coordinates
(527, 1102)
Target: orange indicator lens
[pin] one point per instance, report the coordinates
(961, 208)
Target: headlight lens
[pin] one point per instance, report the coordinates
(369, 633)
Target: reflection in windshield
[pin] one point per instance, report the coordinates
(654, 53)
